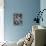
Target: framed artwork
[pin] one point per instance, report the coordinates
(17, 19)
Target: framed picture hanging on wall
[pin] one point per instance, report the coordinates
(17, 19)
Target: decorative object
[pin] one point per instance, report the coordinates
(39, 16)
(26, 41)
(17, 19)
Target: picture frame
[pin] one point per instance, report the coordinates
(17, 19)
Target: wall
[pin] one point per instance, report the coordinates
(43, 6)
(28, 8)
(1, 20)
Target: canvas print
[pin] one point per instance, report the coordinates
(17, 18)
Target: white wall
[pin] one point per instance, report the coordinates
(1, 20)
